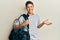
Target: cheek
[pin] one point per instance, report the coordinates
(31, 9)
(27, 9)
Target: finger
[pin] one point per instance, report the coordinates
(49, 24)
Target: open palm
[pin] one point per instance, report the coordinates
(47, 22)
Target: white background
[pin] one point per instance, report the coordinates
(46, 9)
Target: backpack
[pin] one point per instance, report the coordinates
(20, 34)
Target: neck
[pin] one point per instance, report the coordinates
(30, 14)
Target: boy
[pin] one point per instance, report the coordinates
(33, 21)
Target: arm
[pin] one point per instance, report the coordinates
(40, 25)
(44, 22)
(22, 24)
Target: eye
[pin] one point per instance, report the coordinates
(27, 7)
(31, 6)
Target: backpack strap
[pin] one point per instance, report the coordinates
(26, 17)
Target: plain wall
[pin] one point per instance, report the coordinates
(46, 9)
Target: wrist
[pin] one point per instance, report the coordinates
(43, 23)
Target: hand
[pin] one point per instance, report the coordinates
(26, 22)
(47, 22)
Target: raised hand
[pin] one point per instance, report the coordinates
(47, 22)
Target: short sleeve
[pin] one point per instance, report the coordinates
(21, 19)
(38, 19)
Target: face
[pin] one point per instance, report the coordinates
(30, 8)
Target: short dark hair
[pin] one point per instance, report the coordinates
(28, 2)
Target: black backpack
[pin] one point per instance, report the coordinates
(20, 34)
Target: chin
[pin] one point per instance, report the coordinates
(30, 12)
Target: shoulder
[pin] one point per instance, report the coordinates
(37, 15)
(21, 17)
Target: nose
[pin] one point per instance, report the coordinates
(30, 8)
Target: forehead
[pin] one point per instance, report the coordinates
(29, 5)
